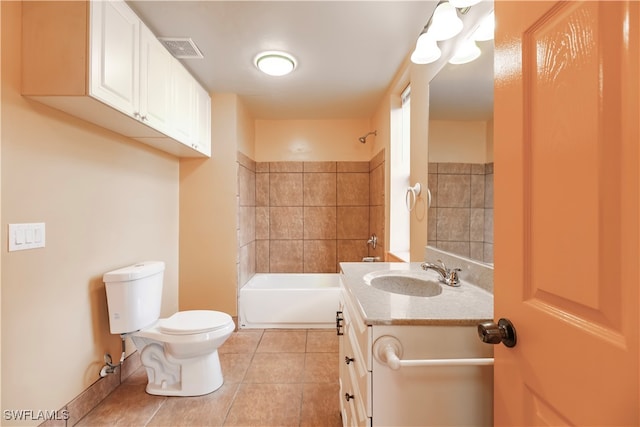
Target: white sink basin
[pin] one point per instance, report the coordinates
(404, 282)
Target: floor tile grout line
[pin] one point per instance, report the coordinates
(156, 411)
(242, 380)
(233, 399)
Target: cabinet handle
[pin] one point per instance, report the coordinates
(348, 396)
(339, 320)
(348, 359)
(140, 117)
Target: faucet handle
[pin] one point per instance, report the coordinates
(452, 277)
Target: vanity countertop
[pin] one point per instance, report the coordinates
(455, 306)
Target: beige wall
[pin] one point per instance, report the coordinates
(313, 140)
(208, 212)
(107, 202)
(246, 130)
(453, 141)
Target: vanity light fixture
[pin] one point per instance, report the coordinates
(486, 28)
(467, 51)
(461, 4)
(443, 25)
(275, 63)
(426, 51)
(445, 22)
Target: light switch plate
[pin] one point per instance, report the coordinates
(26, 236)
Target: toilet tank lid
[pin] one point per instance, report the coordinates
(134, 272)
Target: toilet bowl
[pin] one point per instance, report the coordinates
(180, 352)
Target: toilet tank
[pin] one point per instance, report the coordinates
(134, 296)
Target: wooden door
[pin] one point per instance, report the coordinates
(566, 212)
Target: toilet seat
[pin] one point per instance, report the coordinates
(194, 322)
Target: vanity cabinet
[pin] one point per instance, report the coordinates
(373, 394)
(98, 61)
(354, 366)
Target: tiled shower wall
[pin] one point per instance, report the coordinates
(461, 213)
(307, 217)
(246, 218)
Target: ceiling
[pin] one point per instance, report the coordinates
(348, 52)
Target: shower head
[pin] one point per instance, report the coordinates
(363, 139)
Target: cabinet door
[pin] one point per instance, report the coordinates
(203, 105)
(183, 106)
(114, 55)
(155, 81)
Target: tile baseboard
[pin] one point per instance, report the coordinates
(84, 403)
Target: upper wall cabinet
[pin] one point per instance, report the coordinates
(96, 60)
(114, 56)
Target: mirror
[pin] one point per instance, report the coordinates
(461, 158)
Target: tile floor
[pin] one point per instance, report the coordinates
(272, 378)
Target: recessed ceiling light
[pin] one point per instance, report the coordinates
(275, 63)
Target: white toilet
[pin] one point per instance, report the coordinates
(179, 353)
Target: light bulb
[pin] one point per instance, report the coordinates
(461, 4)
(426, 50)
(466, 52)
(486, 28)
(275, 63)
(445, 22)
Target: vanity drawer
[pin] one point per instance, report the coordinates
(362, 334)
(356, 399)
(358, 370)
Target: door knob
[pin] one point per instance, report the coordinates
(504, 332)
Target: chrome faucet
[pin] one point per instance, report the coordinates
(447, 276)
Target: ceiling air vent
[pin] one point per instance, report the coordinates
(183, 48)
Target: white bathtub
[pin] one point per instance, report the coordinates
(289, 300)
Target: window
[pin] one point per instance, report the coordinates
(399, 178)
